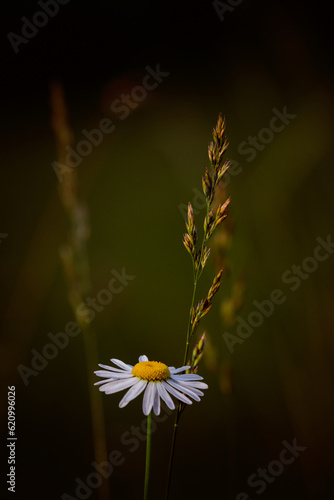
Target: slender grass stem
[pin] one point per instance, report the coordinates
(189, 322)
(74, 256)
(171, 458)
(96, 407)
(148, 455)
(197, 274)
(210, 182)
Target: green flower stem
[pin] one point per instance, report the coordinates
(148, 456)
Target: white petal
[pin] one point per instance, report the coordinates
(148, 398)
(105, 381)
(188, 385)
(143, 358)
(185, 389)
(115, 376)
(176, 393)
(112, 369)
(182, 369)
(118, 385)
(133, 392)
(166, 397)
(156, 400)
(120, 363)
(186, 376)
(104, 373)
(198, 385)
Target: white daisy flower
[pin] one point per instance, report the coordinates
(157, 379)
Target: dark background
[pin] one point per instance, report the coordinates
(278, 384)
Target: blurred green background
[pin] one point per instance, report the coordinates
(278, 384)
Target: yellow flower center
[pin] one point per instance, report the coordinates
(152, 371)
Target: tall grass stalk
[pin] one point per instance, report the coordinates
(74, 257)
(212, 219)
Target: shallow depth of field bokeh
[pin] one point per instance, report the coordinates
(277, 385)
